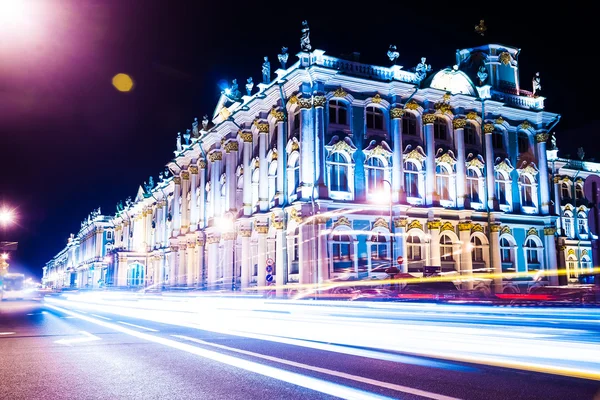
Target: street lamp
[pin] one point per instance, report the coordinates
(7, 216)
(226, 225)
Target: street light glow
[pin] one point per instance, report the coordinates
(6, 216)
(224, 224)
(5, 256)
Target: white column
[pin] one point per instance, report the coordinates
(304, 254)
(157, 271)
(263, 184)
(262, 254)
(428, 120)
(173, 265)
(213, 261)
(461, 168)
(319, 146)
(280, 264)
(121, 271)
(466, 257)
(190, 263)
(228, 259)
(307, 149)
(434, 245)
(323, 261)
(401, 225)
(544, 183)
(175, 206)
(231, 155)
(202, 189)
(246, 258)
(557, 198)
(182, 264)
(489, 165)
(194, 209)
(200, 242)
(550, 249)
(185, 188)
(281, 151)
(247, 157)
(496, 262)
(215, 185)
(397, 161)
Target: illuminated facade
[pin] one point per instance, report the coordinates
(335, 168)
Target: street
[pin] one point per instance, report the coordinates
(60, 348)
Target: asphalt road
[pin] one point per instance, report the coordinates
(50, 351)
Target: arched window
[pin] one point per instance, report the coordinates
(255, 180)
(501, 185)
(506, 255)
(567, 221)
(440, 129)
(586, 264)
(470, 135)
(413, 248)
(296, 119)
(532, 255)
(582, 223)
(473, 185)
(565, 193)
(411, 179)
(293, 173)
(498, 139)
(375, 175)
(477, 249)
(338, 172)
(294, 255)
(409, 124)
(526, 191)
(272, 179)
(340, 252)
(523, 141)
(579, 191)
(374, 118)
(338, 112)
(379, 251)
(442, 180)
(446, 249)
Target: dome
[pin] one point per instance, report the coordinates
(453, 81)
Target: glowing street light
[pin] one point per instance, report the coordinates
(4, 256)
(7, 216)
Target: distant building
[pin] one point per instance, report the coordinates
(291, 184)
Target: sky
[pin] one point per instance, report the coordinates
(70, 142)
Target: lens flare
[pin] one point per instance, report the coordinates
(122, 82)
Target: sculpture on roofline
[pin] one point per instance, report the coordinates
(481, 28)
(482, 75)
(186, 136)
(305, 39)
(266, 70)
(150, 184)
(249, 86)
(233, 93)
(552, 141)
(393, 54)
(422, 69)
(580, 153)
(178, 143)
(536, 84)
(205, 122)
(283, 57)
(195, 127)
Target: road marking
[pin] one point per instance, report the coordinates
(101, 317)
(68, 316)
(88, 338)
(138, 326)
(293, 378)
(392, 386)
(7, 333)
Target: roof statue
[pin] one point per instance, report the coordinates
(186, 137)
(233, 93)
(481, 28)
(482, 75)
(249, 86)
(283, 57)
(178, 143)
(167, 171)
(266, 70)
(305, 38)
(195, 127)
(205, 122)
(150, 183)
(537, 87)
(580, 153)
(553, 141)
(422, 69)
(393, 54)
(128, 201)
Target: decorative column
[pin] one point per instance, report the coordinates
(173, 265)
(488, 129)
(157, 272)
(263, 184)
(319, 115)
(228, 260)
(262, 231)
(247, 157)
(199, 277)
(194, 209)
(176, 217)
(190, 263)
(433, 228)
(279, 117)
(461, 169)
(466, 255)
(280, 253)
(185, 188)
(305, 261)
(202, 188)
(182, 265)
(307, 148)
(557, 200)
(496, 261)
(544, 184)
(430, 194)
(231, 151)
(215, 185)
(158, 229)
(122, 270)
(397, 161)
(323, 260)
(246, 258)
(550, 249)
(213, 261)
(401, 247)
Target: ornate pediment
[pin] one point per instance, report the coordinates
(477, 228)
(339, 92)
(504, 166)
(412, 105)
(381, 150)
(532, 231)
(381, 223)
(530, 169)
(447, 226)
(345, 145)
(414, 224)
(475, 162)
(446, 158)
(416, 154)
(343, 220)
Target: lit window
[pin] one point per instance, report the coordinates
(440, 129)
(473, 185)
(533, 260)
(579, 191)
(501, 185)
(565, 193)
(523, 141)
(338, 172)
(442, 179)
(375, 175)
(409, 124)
(568, 224)
(582, 223)
(338, 112)
(446, 248)
(498, 140)
(379, 251)
(470, 135)
(413, 248)
(477, 250)
(374, 118)
(526, 191)
(506, 255)
(340, 252)
(411, 179)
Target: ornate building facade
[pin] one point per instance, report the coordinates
(334, 169)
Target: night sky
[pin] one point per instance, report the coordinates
(71, 143)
